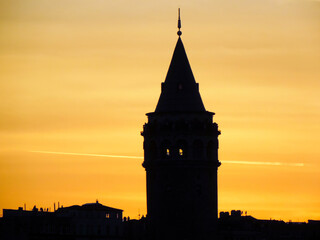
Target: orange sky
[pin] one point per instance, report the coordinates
(78, 76)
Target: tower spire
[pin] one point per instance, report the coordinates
(179, 23)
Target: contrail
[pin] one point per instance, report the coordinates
(266, 163)
(87, 154)
(137, 157)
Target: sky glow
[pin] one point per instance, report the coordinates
(77, 77)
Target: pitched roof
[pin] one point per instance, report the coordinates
(180, 92)
(89, 207)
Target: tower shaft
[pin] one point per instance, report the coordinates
(181, 158)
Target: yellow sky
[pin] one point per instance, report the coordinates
(78, 76)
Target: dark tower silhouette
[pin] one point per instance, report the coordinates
(181, 158)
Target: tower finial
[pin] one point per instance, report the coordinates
(179, 23)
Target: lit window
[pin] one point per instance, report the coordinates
(107, 215)
(180, 152)
(168, 152)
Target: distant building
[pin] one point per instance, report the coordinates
(135, 229)
(234, 226)
(89, 221)
(95, 221)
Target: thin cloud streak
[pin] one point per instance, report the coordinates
(266, 163)
(87, 154)
(137, 157)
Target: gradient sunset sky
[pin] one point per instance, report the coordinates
(78, 76)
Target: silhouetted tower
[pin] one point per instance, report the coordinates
(181, 158)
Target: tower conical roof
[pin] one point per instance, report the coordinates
(180, 92)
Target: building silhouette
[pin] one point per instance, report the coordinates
(88, 221)
(96, 221)
(181, 158)
(235, 226)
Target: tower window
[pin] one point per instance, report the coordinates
(168, 152)
(180, 152)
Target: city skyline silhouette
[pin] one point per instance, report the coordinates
(76, 83)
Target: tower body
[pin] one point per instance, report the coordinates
(181, 159)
